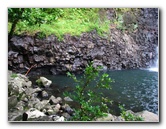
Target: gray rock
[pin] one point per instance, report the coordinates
(32, 102)
(59, 99)
(46, 83)
(66, 116)
(16, 85)
(148, 116)
(68, 99)
(27, 84)
(53, 100)
(109, 117)
(15, 116)
(20, 106)
(54, 109)
(41, 118)
(67, 109)
(12, 101)
(34, 113)
(58, 118)
(51, 112)
(44, 94)
(23, 77)
(42, 104)
(118, 118)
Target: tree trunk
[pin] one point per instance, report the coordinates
(12, 29)
(15, 23)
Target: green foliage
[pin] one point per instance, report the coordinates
(58, 21)
(39, 82)
(19, 96)
(92, 103)
(14, 75)
(26, 17)
(129, 116)
(125, 19)
(34, 16)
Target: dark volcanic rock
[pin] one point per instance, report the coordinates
(121, 50)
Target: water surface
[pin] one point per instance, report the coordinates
(137, 90)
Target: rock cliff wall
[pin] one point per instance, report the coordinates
(118, 50)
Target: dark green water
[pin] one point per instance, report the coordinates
(137, 90)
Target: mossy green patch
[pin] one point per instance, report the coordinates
(73, 21)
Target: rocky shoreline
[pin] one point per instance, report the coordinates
(24, 103)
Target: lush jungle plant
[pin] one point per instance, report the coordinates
(129, 116)
(92, 102)
(31, 16)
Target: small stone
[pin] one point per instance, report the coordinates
(68, 109)
(58, 106)
(44, 94)
(59, 99)
(53, 100)
(50, 112)
(66, 115)
(68, 99)
(58, 118)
